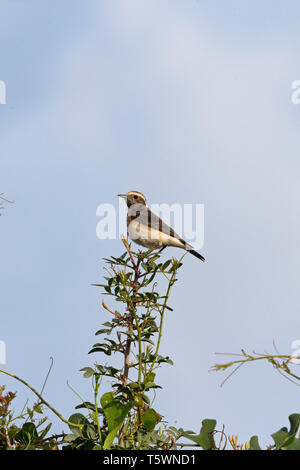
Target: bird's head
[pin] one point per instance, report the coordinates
(133, 197)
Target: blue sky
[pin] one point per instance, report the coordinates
(188, 102)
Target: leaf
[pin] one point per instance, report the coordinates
(37, 408)
(115, 413)
(45, 431)
(150, 377)
(166, 359)
(150, 419)
(165, 265)
(90, 432)
(295, 423)
(145, 398)
(254, 445)
(294, 445)
(27, 434)
(281, 438)
(149, 385)
(287, 440)
(89, 372)
(99, 349)
(77, 418)
(70, 438)
(148, 281)
(88, 406)
(102, 331)
(107, 370)
(205, 437)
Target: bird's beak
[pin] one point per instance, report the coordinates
(122, 195)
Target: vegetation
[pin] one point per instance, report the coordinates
(125, 417)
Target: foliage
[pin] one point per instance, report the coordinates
(28, 435)
(125, 417)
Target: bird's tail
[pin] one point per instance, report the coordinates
(195, 253)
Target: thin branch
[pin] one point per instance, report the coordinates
(279, 362)
(47, 376)
(41, 399)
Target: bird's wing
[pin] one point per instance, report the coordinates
(160, 225)
(143, 215)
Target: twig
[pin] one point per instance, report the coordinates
(41, 399)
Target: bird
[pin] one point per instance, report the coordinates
(146, 229)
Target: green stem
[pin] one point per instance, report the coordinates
(42, 399)
(171, 282)
(97, 385)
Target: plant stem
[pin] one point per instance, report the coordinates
(97, 385)
(42, 399)
(171, 282)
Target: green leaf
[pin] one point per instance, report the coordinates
(45, 431)
(286, 440)
(281, 438)
(166, 359)
(102, 331)
(150, 419)
(77, 418)
(99, 349)
(205, 437)
(107, 370)
(37, 408)
(165, 265)
(150, 377)
(145, 398)
(90, 432)
(295, 423)
(149, 385)
(89, 372)
(27, 434)
(293, 445)
(70, 438)
(254, 445)
(115, 413)
(88, 406)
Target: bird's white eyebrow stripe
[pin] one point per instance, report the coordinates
(136, 193)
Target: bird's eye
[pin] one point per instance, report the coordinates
(135, 196)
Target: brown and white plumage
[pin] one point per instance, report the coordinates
(147, 229)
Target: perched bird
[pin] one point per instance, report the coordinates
(147, 229)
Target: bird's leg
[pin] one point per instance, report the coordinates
(159, 251)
